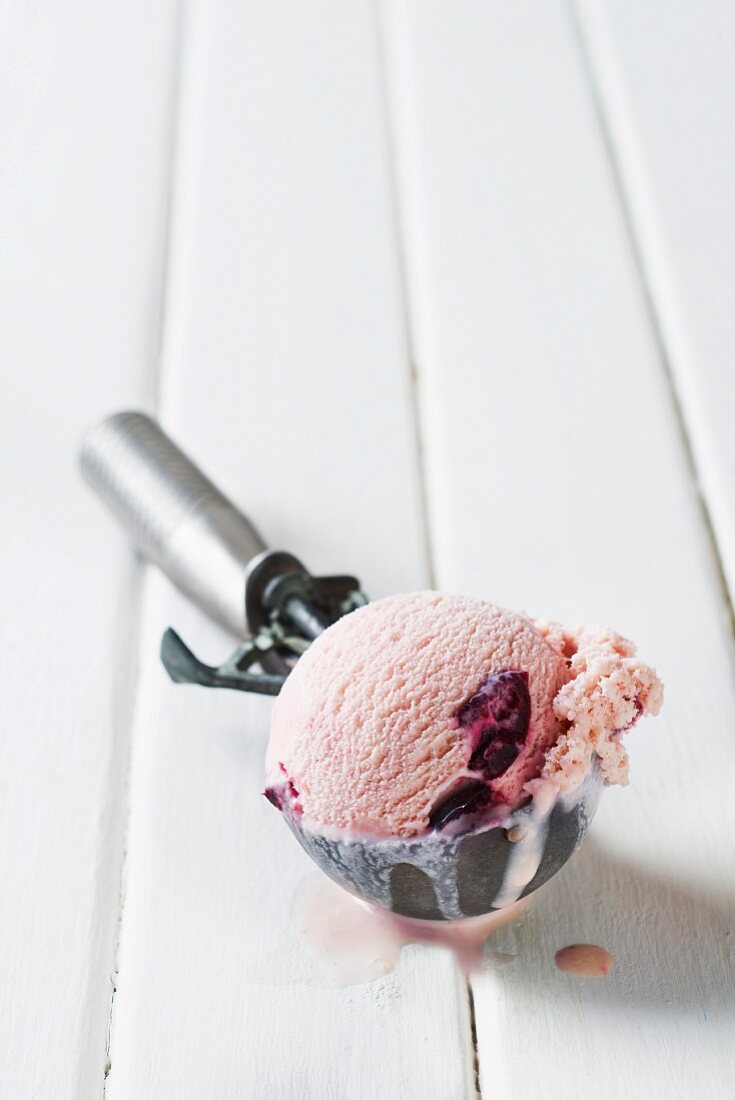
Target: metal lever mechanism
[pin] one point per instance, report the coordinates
(179, 520)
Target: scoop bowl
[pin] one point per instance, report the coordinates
(441, 877)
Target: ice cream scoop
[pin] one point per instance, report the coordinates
(443, 757)
(435, 755)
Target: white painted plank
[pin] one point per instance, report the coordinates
(84, 131)
(665, 78)
(560, 484)
(286, 374)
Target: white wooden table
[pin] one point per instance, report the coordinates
(485, 252)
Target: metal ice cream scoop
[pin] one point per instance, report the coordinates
(270, 601)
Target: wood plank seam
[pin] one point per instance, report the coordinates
(621, 176)
(392, 140)
(139, 587)
(473, 1028)
(128, 690)
(175, 128)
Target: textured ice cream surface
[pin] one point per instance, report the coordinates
(419, 711)
(607, 691)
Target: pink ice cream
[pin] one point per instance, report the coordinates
(417, 711)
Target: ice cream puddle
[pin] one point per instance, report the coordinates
(356, 942)
(350, 942)
(585, 960)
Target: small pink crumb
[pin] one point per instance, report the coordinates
(586, 960)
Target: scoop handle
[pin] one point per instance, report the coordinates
(173, 513)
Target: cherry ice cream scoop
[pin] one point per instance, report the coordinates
(436, 755)
(443, 757)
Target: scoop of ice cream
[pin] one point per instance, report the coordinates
(417, 710)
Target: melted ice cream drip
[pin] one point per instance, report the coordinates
(529, 848)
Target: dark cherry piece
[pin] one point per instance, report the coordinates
(497, 719)
(492, 756)
(469, 797)
(275, 796)
(283, 794)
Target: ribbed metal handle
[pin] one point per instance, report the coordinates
(174, 514)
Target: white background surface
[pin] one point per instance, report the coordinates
(440, 294)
